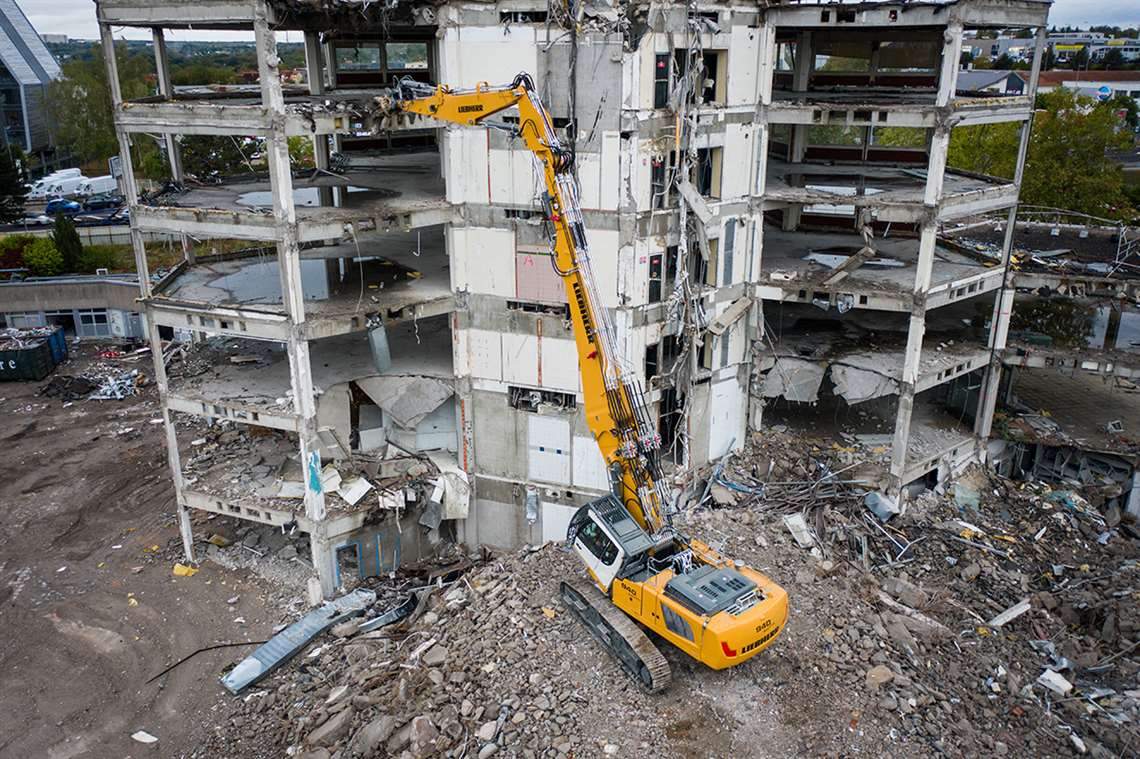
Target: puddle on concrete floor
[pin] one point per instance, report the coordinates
(302, 196)
(261, 282)
(1070, 324)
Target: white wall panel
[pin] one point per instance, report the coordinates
(600, 174)
(736, 166)
(604, 255)
(611, 171)
(589, 466)
(493, 54)
(556, 521)
(483, 260)
(743, 65)
(560, 365)
(520, 359)
(465, 164)
(548, 449)
(590, 176)
(727, 416)
(512, 177)
(485, 353)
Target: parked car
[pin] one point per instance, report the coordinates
(92, 219)
(58, 206)
(38, 220)
(102, 201)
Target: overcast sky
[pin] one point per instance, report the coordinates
(76, 18)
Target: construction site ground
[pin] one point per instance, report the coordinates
(898, 660)
(90, 607)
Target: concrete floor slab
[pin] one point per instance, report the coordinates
(785, 263)
(256, 372)
(400, 272)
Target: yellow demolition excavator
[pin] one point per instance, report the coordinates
(645, 574)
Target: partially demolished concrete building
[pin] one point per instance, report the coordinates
(759, 180)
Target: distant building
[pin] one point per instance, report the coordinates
(1063, 45)
(54, 39)
(1019, 49)
(26, 68)
(991, 80)
(1101, 85)
(1129, 49)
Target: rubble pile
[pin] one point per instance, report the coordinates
(491, 665)
(996, 614)
(236, 462)
(989, 618)
(95, 385)
(12, 339)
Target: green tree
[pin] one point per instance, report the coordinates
(12, 250)
(79, 102)
(66, 241)
(211, 157)
(43, 259)
(1003, 62)
(1067, 166)
(1121, 101)
(1112, 59)
(99, 257)
(301, 153)
(13, 193)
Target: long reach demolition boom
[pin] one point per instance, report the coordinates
(645, 574)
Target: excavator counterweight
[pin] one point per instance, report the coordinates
(645, 575)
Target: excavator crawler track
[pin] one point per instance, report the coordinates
(620, 635)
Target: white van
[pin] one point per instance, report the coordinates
(65, 188)
(39, 189)
(96, 185)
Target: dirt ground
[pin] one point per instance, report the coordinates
(90, 608)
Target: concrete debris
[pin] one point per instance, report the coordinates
(119, 386)
(857, 384)
(793, 379)
(882, 506)
(293, 638)
(142, 736)
(407, 399)
(799, 529)
(1055, 682)
(353, 490)
(1010, 614)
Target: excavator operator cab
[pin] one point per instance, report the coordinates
(608, 540)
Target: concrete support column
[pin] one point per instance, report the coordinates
(130, 192)
(1003, 304)
(928, 239)
(173, 149)
(948, 72)
(801, 77)
(166, 89)
(314, 67)
(764, 99)
(289, 263)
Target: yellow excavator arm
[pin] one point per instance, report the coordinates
(615, 406)
(715, 610)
